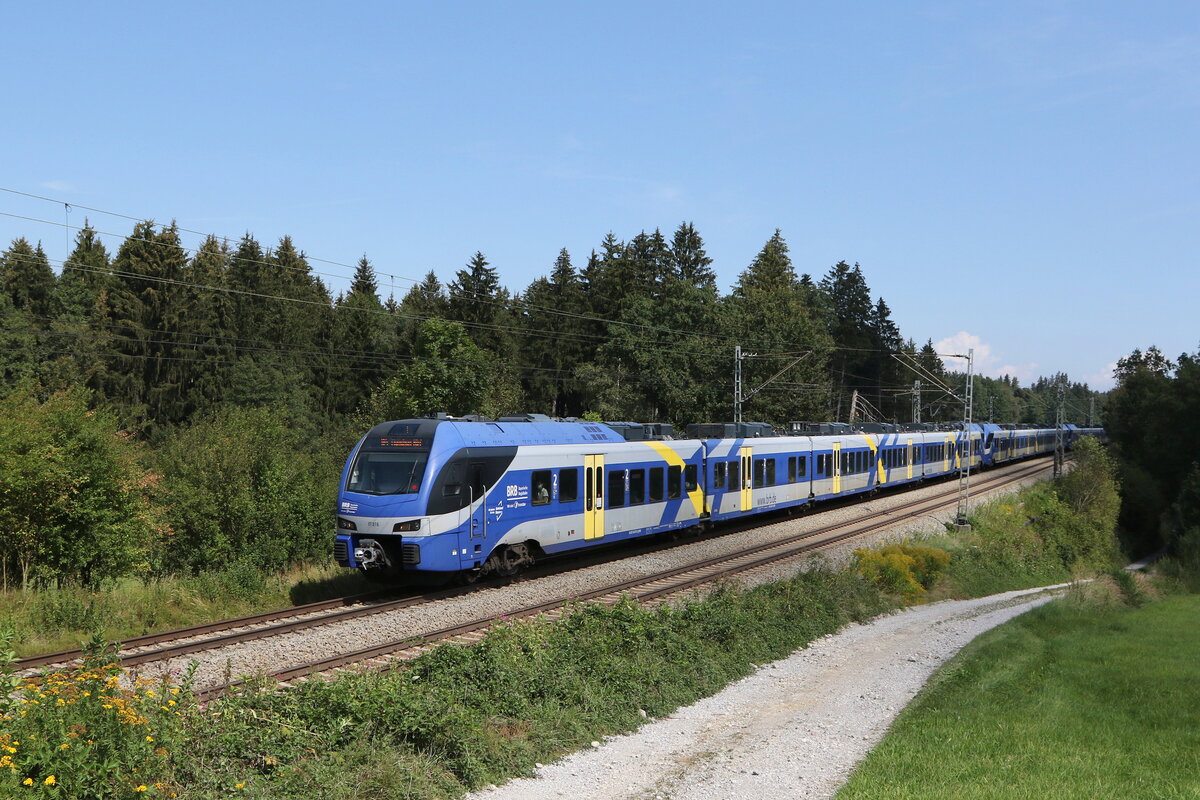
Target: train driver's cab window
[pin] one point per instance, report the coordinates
(801, 466)
(616, 488)
(568, 485)
(541, 487)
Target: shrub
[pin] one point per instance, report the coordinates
(907, 569)
(244, 485)
(73, 489)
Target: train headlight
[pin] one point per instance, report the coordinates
(347, 524)
(411, 525)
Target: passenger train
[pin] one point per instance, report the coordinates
(472, 498)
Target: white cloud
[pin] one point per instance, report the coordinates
(58, 186)
(1103, 380)
(961, 342)
(986, 362)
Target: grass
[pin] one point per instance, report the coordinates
(1071, 700)
(48, 620)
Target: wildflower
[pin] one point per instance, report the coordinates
(27, 782)
(50, 781)
(149, 738)
(241, 785)
(141, 788)
(63, 746)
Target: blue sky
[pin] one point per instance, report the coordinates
(1021, 177)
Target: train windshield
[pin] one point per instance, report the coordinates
(387, 473)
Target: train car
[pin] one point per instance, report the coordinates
(753, 475)
(450, 497)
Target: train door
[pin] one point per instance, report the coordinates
(478, 491)
(910, 459)
(747, 471)
(836, 471)
(593, 497)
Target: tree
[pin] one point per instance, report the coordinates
(767, 313)
(26, 276)
(476, 301)
(448, 373)
(75, 509)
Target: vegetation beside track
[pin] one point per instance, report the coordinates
(60, 618)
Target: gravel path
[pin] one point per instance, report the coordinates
(794, 729)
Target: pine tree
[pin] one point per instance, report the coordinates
(26, 276)
(477, 301)
(767, 314)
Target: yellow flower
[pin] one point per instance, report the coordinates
(149, 738)
(63, 746)
(141, 788)
(27, 782)
(50, 781)
(241, 785)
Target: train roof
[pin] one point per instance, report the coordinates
(494, 434)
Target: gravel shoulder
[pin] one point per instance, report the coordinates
(795, 728)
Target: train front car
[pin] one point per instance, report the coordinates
(438, 496)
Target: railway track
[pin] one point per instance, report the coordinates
(648, 589)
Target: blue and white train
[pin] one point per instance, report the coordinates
(468, 499)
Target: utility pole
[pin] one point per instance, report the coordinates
(737, 384)
(917, 402)
(991, 408)
(853, 406)
(1092, 412)
(964, 468)
(1059, 452)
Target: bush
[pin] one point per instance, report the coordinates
(73, 505)
(242, 485)
(906, 569)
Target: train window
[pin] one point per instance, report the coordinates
(770, 472)
(599, 485)
(791, 469)
(540, 481)
(637, 487)
(656, 484)
(616, 488)
(568, 485)
(719, 475)
(689, 478)
(587, 489)
(760, 472)
(800, 466)
(735, 482)
(845, 463)
(674, 483)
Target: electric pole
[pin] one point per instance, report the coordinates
(1059, 454)
(917, 402)
(964, 468)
